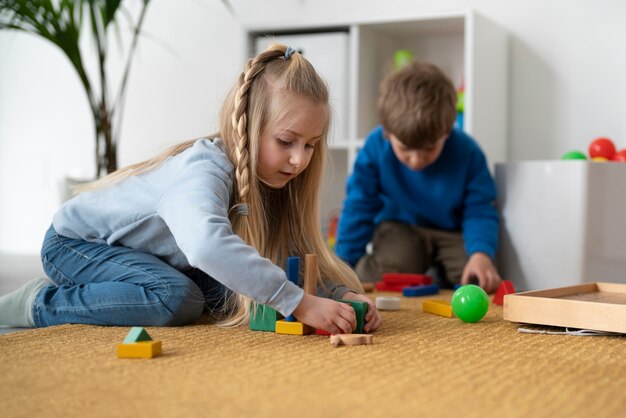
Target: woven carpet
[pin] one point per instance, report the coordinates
(419, 365)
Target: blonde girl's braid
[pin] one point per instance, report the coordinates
(240, 119)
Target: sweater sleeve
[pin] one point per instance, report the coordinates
(480, 217)
(362, 203)
(195, 209)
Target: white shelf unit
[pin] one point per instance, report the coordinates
(353, 58)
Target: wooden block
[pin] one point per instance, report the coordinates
(437, 307)
(407, 279)
(368, 286)
(311, 273)
(142, 349)
(360, 309)
(264, 318)
(137, 334)
(292, 328)
(384, 287)
(322, 332)
(505, 288)
(293, 275)
(388, 303)
(413, 291)
(351, 339)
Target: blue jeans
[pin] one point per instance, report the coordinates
(103, 284)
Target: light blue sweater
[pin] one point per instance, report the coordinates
(455, 193)
(179, 212)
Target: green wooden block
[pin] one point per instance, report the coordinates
(264, 318)
(137, 334)
(360, 308)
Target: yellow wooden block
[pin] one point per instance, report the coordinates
(142, 349)
(292, 328)
(437, 307)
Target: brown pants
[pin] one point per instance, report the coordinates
(401, 248)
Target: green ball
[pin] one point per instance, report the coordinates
(574, 155)
(470, 303)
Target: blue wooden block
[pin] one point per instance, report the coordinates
(431, 289)
(456, 286)
(293, 274)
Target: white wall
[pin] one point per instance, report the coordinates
(567, 86)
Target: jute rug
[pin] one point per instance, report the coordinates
(419, 365)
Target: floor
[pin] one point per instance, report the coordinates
(15, 270)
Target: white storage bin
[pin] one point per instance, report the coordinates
(563, 222)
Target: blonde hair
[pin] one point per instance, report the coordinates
(279, 222)
(417, 104)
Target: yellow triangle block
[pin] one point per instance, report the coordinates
(142, 349)
(437, 307)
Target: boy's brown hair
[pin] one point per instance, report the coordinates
(417, 104)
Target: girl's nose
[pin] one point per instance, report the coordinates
(296, 157)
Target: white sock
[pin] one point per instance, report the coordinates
(16, 308)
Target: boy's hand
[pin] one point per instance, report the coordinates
(372, 317)
(326, 314)
(481, 267)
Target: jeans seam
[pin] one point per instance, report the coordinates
(66, 246)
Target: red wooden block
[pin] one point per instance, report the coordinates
(321, 332)
(384, 287)
(407, 279)
(505, 288)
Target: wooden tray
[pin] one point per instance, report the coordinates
(595, 306)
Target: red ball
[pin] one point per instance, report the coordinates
(602, 147)
(620, 156)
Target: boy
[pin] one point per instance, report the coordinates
(421, 190)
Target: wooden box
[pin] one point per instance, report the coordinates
(594, 306)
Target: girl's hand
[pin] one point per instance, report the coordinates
(326, 314)
(481, 267)
(372, 317)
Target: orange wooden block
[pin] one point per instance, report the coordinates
(437, 307)
(351, 339)
(142, 349)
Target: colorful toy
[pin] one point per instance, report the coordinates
(360, 309)
(573, 155)
(264, 318)
(413, 291)
(388, 303)
(602, 147)
(407, 279)
(505, 288)
(470, 303)
(599, 160)
(437, 307)
(293, 275)
(332, 231)
(138, 344)
(292, 328)
(384, 287)
(620, 156)
(401, 58)
(137, 334)
(351, 339)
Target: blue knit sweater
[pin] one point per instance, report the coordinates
(455, 193)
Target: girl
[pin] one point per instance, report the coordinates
(205, 225)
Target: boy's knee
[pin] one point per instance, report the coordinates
(398, 243)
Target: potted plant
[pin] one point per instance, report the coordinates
(64, 22)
